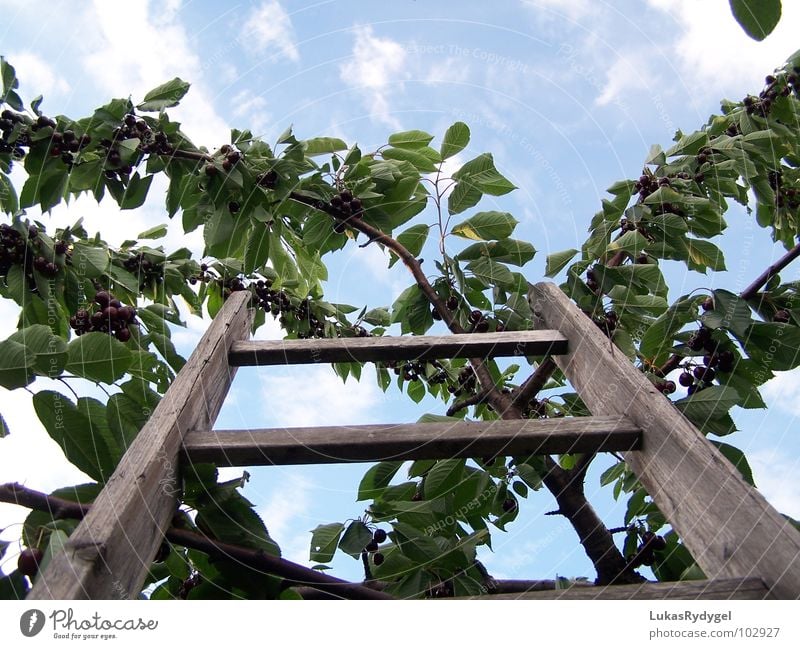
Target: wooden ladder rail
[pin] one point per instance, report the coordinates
(727, 525)
(109, 553)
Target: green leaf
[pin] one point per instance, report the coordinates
(90, 261)
(378, 317)
(510, 251)
(662, 330)
(738, 459)
(773, 345)
(757, 17)
(126, 418)
(319, 145)
(156, 232)
(710, 403)
(135, 192)
(9, 76)
(631, 242)
(492, 273)
(16, 365)
(410, 139)
(416, 391)
(557, 261)
(484, 226)
(50, 350)
(355, 539)
(413, 240)
(481, 173)
(445, 476)
(257, 251)
(164, 96)
(730, 311)
(455, 139)
(705, 253)
(77, 435)
(413, 311)
(420, 161)
(324, 539)
(463, 196)
(4, 430)
(98, 357)
(376, 479)
(8, 195)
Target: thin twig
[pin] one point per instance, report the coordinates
(467, 402)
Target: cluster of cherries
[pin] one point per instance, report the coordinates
(278, 304)
(8, 143)
(346, 207)
(645, 552)
(774, 88)
(106, 315)
(145, 270)
(785, 195)
(17, 249)
(378, 537)
(466, 382)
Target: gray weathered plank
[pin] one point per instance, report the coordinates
(429, 441)
(746, 588)
(109, 554)
(729, 527)
(395, 348)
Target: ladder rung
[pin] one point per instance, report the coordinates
(736, 588)
(429, 441)
(395, 348)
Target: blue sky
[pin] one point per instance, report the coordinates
(567, 94)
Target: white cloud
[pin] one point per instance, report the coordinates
(37, 73)
(713, 52)
(269, 27)
(163, 51)
(571, 8)
(376, 65)
(776, 478)
(314, 396)
(286, 504)
(252, 109)
(449, 70)
(628, 72)
(783, 391)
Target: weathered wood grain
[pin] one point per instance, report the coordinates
(395, 348)
(728, 526)
(109, 554)
(719, 589)
(429, 441)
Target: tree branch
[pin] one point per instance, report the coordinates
(499, 401)
(467, 402)
(59, 508)
(772, 270)
(534, 383)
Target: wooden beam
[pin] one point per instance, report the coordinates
(430, 441)
(109, 554)
(746, 588)
(397, 348)
(726, 524)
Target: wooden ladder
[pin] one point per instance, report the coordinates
(744, 546)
